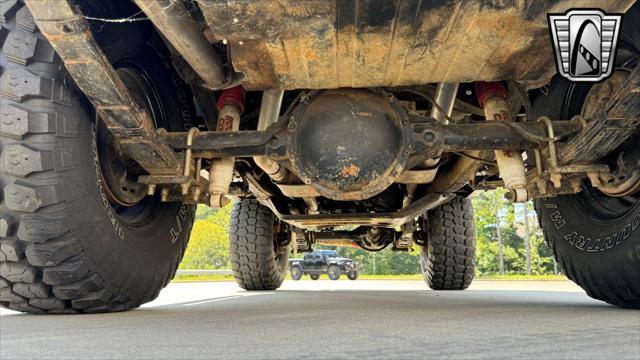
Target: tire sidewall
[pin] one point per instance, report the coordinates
(573, 229)
(569, 221)
(297, 271)
(596, 251)
(151, 251)
(337, 273)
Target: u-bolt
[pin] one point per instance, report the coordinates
(553, 154)
(187, 159)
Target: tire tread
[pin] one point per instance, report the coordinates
(251, 247)
(43, 267)
(449, 261)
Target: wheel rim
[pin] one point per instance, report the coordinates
(119, 176)
(620, 195)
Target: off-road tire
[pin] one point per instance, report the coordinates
(296, 273)
(352, 276)
(59, 250)
(336, 271)
(448, 262)
(314, 276)
(602, 258)
(596, 246)
(251, 242)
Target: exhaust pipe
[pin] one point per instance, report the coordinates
(269, 112)
(445, 98)
(183, 32)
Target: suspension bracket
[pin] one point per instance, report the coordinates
(69, 33)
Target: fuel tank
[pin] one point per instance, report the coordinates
(320, 44)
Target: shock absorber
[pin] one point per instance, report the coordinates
(492, 96)
(230, 107)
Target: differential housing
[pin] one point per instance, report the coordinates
(350, 144)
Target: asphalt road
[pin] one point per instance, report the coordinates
(344, 319)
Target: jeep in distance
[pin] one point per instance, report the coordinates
(319, 262)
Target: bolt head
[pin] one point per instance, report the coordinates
(429, 137)
(510, 195)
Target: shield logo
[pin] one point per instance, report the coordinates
(585, 43)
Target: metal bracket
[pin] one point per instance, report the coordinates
(556, 172)
(69, 33)
(389, 220)
(614, 124)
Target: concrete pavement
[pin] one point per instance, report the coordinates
(344, 319)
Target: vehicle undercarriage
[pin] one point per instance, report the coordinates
(364, 123)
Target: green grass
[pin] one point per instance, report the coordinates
(189, 278)
(522, 277)
(192, 278)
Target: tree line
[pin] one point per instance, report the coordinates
(509, 241)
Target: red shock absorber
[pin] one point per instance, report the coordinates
(492, 96)
(487, 90)
(230, 107)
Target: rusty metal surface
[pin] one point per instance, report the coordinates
(460, 173)
(497, 136)
(417, 176)
(275, 141)
(69, 34)
(184, 33)
(349, 144)
(388, 220)
(298, 190)
(610, 127)
(347, 43)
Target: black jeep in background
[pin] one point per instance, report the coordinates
(321, 262)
